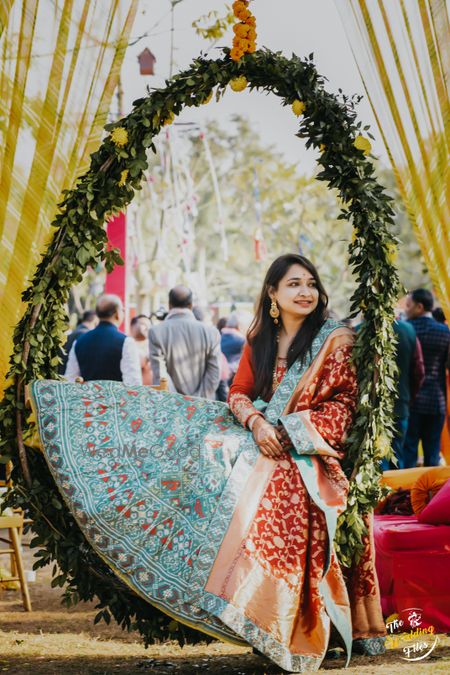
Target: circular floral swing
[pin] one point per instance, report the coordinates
(328, 123)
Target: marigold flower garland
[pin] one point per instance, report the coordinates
(244, 41)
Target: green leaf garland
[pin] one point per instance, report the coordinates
(328, 123)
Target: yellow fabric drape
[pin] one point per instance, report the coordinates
(5, 7)
(402, 50)
(60, 64)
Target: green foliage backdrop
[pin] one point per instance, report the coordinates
(329, 124)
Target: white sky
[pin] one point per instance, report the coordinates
(299, 26)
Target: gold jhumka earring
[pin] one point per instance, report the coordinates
(274, 312)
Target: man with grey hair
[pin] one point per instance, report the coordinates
(105, 353)
(186, 349)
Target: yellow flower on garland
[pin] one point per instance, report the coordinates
(239, 83)
(119, 136)
(355, 234)
(322, 147)
(362, 143)
(392, 253)
(208, 98)
(123, 178)
(298, 107)
(169, 119)
(382, 445)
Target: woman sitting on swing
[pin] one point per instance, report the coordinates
(224, 517)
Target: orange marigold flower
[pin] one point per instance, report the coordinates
(252, 48)
(236, 54)
(243, 14)
(251, 21)
(241, 29)
(238, 6)
(243, 45)
(251, 35)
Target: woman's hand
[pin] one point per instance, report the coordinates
(266, 438)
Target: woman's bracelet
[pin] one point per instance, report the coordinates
(252, 419)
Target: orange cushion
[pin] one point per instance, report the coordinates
(427, 485)
(437, 512)
(402, 478)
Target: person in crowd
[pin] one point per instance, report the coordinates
(225, 373)
(89, 320)
(438, 315)
(199, 313)
(411, 374)
(222, 389)
(429, 408)
(139, 328)
(232, 343)
(187, 349)
(105, 353)
(231, 513)
(222, 322)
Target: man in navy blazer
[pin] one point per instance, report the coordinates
(105, 353)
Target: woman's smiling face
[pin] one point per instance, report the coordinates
(297, 294)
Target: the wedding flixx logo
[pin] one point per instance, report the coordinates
(408, 632)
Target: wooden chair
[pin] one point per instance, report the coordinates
(163, 384)
(13, 522)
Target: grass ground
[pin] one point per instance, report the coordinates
(52, 640)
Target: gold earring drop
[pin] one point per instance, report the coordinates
(274, 312)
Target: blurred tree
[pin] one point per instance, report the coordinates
(176, 236)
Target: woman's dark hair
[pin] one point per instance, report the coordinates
(262, 334)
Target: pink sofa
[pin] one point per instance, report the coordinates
(413, 567)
